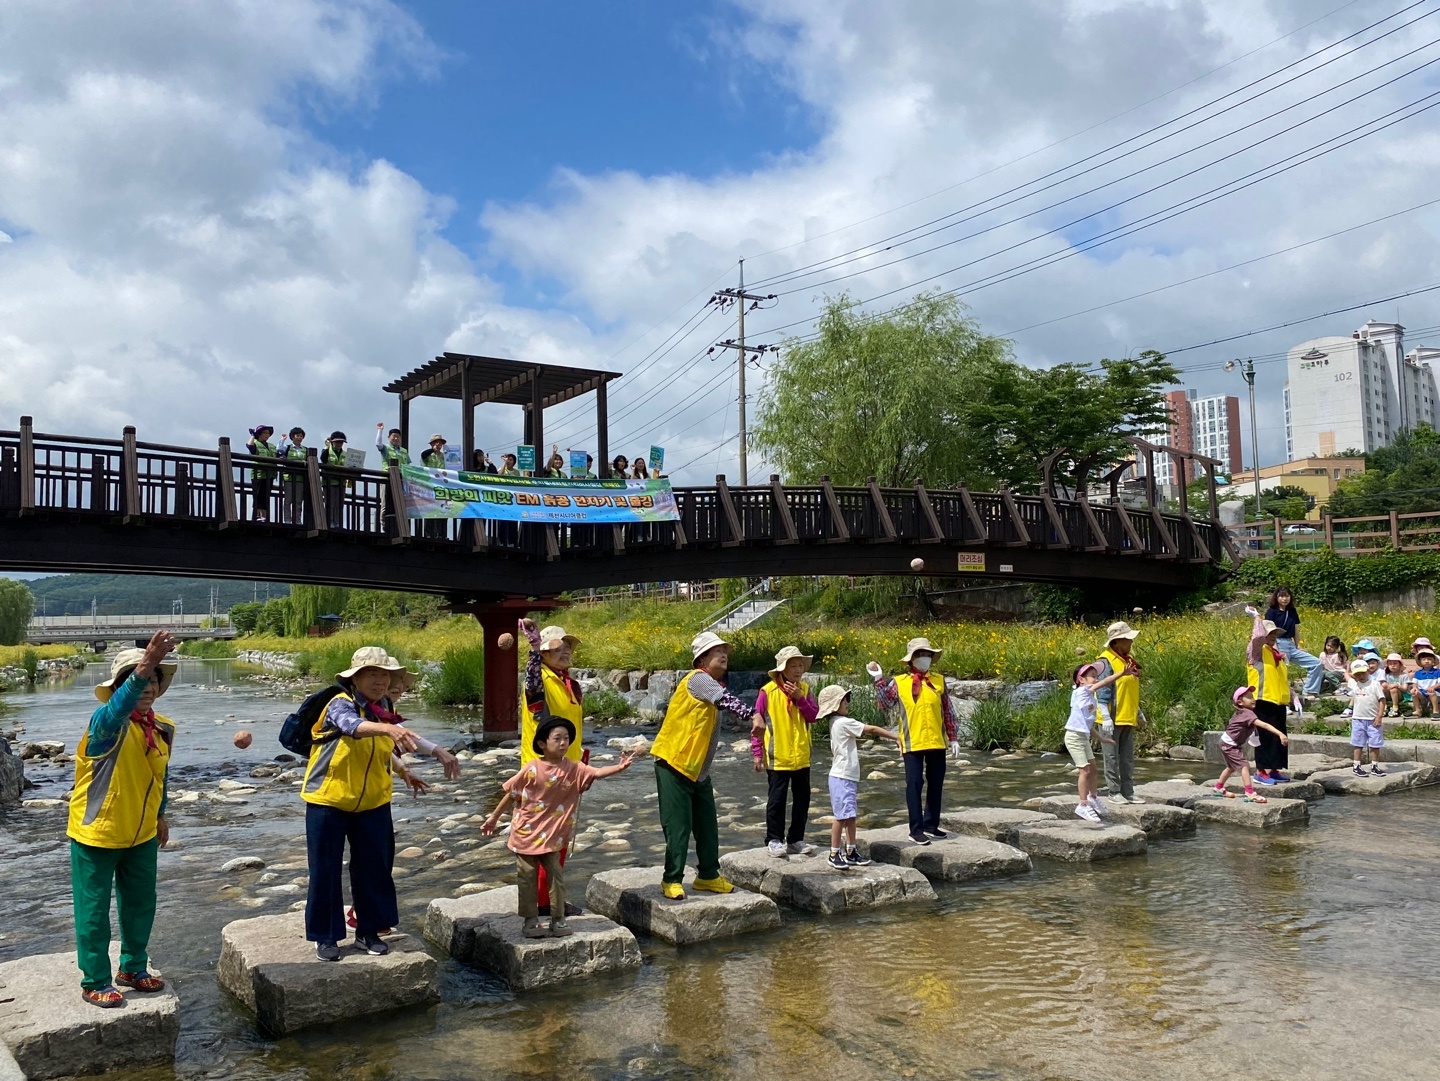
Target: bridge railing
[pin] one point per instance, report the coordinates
(129, 480)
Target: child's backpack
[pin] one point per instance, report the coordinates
(295, 733)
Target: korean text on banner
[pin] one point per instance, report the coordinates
(442, 493)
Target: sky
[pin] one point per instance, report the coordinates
(217, 215)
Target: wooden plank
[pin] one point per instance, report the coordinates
(1157, 523)
(396, 491)
(27, 465)
(1018, 522)
(927, 510)
(1394, 530)
(1137, 546)
(314, 495)
(972, 513)
(226, 509)
(842, 531)
(129, 477)
(732, 519)
(1202, 549)
(512, 384)
(552, 543)
(1329, 532)
(882, 512)
(1053, 513)
(1102, 543)
(782, 512)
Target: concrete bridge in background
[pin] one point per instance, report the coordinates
(48, 630)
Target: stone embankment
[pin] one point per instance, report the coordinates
(13, 675)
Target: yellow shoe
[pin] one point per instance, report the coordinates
(714, 885)
(673, 890)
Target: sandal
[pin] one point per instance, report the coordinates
(107, 998)
(1255, 797)
(140, 981)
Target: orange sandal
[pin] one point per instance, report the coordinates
(107, 998)
(140, 981)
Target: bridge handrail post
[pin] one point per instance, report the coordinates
(315, 520)
(129, 476)
(837, 516)
(972, 516)
(727, 507)
(225, 506)
(927, 513)
(396, 486)
(782, 512)
(27, 465)
(882, 512)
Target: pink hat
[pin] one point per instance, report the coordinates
(1422, 641)
(1084, 668)
(1241, 692)
(1394, 657)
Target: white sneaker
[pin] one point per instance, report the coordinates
(777, 849)
(1133, 799)
(800, 848)
(1119, 801)
(1085, 811)
(1097, 806)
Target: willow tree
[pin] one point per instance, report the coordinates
(308, 603)
(876, 395)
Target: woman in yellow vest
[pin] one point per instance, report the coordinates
(347, 790)
(683, 751)
(926, 727)
(1118, 710)
(1269, 675)
(117, 821)
(780, 741)
(551, 692)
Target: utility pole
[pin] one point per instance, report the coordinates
(1247, 370)
(742, 298)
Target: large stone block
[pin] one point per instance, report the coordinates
(1173, 793)
(484, 929)
(1399, 777)
(632, 896)
(1303, 765)
(1308, 789)
(809, 882)
(50, 1031)
(267, 964)
(992, 823)
(12, 775)
(1238, 812)
(1154, 818)
(959, 858)
(1080, 842)
(1399, 750)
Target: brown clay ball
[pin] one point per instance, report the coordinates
(506, 641)
(242, 739)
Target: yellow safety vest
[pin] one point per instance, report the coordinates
(558, 703)
(684, 739)
(1271, 681)
(1126, 707)
(922, 721)
(349, 773)
(787, 736)
(116, 799)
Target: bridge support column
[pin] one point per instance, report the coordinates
(500, 709)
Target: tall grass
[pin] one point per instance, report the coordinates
(207, 648)
(13, 656)
(461, 679)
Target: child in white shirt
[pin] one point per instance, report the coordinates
(845, 733)
(1367, 706)
(1078, 730)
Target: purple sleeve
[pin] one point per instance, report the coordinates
(809, 708)
(342, 714)
(757, 744)
(534, 685)
(762, 703)
(1257, 638)
(730, 703)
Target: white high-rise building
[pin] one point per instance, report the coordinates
(1208, 426)
(1355, 393)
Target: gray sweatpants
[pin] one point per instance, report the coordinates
(1120, 762)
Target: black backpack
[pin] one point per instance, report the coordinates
(295, 733)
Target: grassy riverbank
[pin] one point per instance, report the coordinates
(15, 655)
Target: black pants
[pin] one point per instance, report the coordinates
(261, 487)
(924, 771)
(335, 505)
(1271, 754)
(797, 783)
(372, 860)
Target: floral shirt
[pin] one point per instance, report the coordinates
(546, 798)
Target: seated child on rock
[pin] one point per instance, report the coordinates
(1425, 683)
(546, 794)
(1239, 731)
(1396, 682)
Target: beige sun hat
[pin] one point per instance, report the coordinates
(916, 645)
(831, 699)
(126, 662)
(1270, 626)
(785, 656)
(1121, 630)
(550, 637)
(370, 657)
(704, 642)
(407, 677)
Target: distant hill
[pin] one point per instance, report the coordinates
(133, 594)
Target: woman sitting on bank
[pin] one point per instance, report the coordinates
(347, 790)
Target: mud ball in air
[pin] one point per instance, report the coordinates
(917, 564)
(242, 739)
(506, 641)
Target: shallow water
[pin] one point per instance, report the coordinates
(1307, 952)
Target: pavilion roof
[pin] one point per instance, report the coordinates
(495, 379)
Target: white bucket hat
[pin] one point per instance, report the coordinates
(830, 700)
(916, 645)
(704, 642)
(370, 657)
(1121, 630)
(124, 663)
(1270, 627)
(408, 678)
(550, 637)
(785, 656)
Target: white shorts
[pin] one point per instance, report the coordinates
(1366, 733)
(1081, 752)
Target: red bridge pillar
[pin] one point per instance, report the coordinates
(500, 710)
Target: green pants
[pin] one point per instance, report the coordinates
(130, 873)
(687, 807)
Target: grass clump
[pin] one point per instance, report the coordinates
(607, 705)
(207, 649)
(461, 679)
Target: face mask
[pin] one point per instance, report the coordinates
(922, 664)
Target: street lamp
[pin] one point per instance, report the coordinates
(1247, 369)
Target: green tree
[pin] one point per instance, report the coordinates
(245, 617)
(17, 604)
(880, 396)
(1403, 476)
(308, 604)
(1283, 501)
(1016, 416)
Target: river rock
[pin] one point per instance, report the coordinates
(42, 748)
(954, 859)
(992, 823)
(663, 684)
(52, 1032)
(618, 680)
(1154, 818)
(12, 775)
(267, 964)
(975, 688)
(1399, 776)
(483, 929)
(1078, 841)
(1027, 694)
(1183, 752)
(810, 882)
(1308, 789)
(1237, 812)
(632, 896)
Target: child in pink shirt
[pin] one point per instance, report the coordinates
(546, 794)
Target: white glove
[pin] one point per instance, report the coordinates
(1249, 611)
(875, 670)
(1108, 729)
(954, 748)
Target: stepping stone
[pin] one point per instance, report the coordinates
(484, 929)
(1153, 818)
(632, 896)
(1399, 777)
(1293, 789)
(810, 882)
(1236, 812)
(267, 964)
(992, 823)
(1080, 842)
(954, 859)
(50, 1031)
(1174, 793)
(1303, 765)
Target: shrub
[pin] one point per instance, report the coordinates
(245, 617)
(1328, 707)
(461, 679)
(1058, 604)
(30, 661)
(608, 704)
(1041, 725)
(207, 648)
(993, 724)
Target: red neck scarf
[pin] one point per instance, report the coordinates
(918, 679)
(146, 721)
